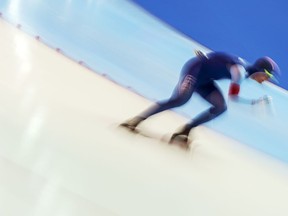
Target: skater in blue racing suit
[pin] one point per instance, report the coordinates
(199, 75)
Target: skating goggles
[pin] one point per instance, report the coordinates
(270, 75)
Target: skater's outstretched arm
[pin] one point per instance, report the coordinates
(238, 73)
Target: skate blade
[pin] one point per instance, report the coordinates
(181, 142)
(128, 128)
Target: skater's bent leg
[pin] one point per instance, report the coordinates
(206, 116)
(216, 99)
(181, 94)
(214, 96)
(175, 101)
(161, 106)
(164, 105)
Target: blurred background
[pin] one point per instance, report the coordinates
(71, 71)
(250, 29)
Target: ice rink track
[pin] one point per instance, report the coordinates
(61, 154)
(122, 42)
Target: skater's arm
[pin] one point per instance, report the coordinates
(237, 75)
(234, 94)
(236, 98)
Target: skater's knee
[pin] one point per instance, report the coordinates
(217, 110)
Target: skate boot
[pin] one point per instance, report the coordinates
(132, 124)
(181, 138)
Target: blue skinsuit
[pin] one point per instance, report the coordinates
(198, 74)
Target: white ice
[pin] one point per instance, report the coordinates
(62, 154)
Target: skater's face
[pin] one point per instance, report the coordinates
(260, 76)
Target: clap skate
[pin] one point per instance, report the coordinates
(180, 139)
(132, 124)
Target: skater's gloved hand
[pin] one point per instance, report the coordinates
(266, 99)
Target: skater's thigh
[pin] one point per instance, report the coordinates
(184, 90)
(212, 93)
(187, 83)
